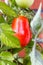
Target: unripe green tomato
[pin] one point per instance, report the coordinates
(24, 3)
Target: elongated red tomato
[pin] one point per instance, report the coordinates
(21, 26)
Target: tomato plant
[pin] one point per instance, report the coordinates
(16, 34)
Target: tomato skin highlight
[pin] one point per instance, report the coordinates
(21, 26)
(41, 36)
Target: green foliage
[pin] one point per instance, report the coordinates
(27, 60)
(7, 10)
(6, 56)
(12, 3)
(7, 36)
(2, 20)
(10, 44)
(5, 62)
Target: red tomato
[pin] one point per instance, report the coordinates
(22, 53)
(21, 26)
(41, 36)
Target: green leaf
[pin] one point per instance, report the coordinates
(16, 50)
(7, 10)
(5, 27)
(2, 63)
(12, 3)
(4, 48)
(30, 45)
(20, 60)
(7, 37)
(5, 62)
(9, 19)
(27, 60)
(6, 56)
(1, 19)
